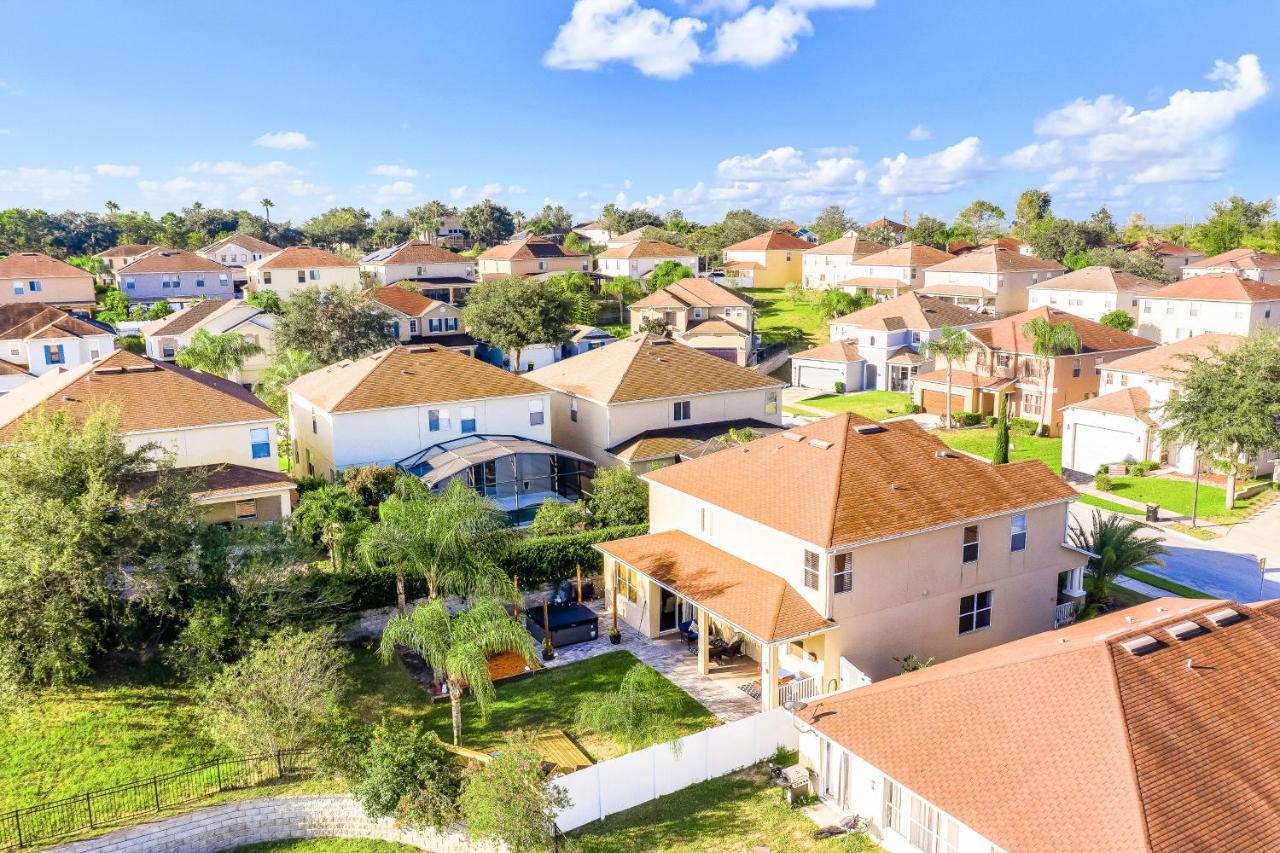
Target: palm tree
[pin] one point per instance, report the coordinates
(331, 516)
(286, 365)
(112, 208)
(221, 355)
(1115, 547)
(458, 647)
(643, 710)
(1049, 339)
(954, 345)
(267, 204)
(625, 289)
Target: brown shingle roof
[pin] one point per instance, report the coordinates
(647, 367)
(1098, 280)
(859, 486)
(1219, 287)
(895, 227)
(1130, 402)
(422, 252)
(172, 260)
(714, 326)
(646, 249)
(770, 240)
(1170, 751)
(186, 319)
(408, 302)
(756, 601)
(912, 311)
(838, 351)
(36, 265)
(150, 395)
(132, 250)
(246, 241)
(857, 247)
(1164, 247)
(1006, 333)
(689, 292)
(1005, 242)
(1241, 259)
(907, 255)
(527, 249)
(30, 319)
(964, 379)
(1171, 360)
(302, 257)
(992, 259)
(408, 376)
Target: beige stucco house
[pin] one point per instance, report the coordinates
(1244, 262)
(701, 314)
(1092, 292)
(166, 337)
(1225, 303)
(831, 263)
(892, 272)
(991, 279)
(237, 250)
(30, 277)
(298, 267)
(645, 400)
(772, 259)
(36, 339)
(433, 270)
(531, 256)
(419, 319)
(118, 257)
(638, 259)
(833, 548)
(1173, 257)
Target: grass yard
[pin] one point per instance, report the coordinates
(547, 700)
(982, 442)
(1122, 597)
(777, 317)
(327, 845)
(1175, 496)
(1103, 503)
(876, 405)
(734, 814)
(1171, 587)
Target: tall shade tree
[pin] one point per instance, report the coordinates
(831, 224)
(953, 345)
(1048, 340)
(488, 224)
(641, 712)
(625, 289)
(458, 648)
(333, 324)
(427, 219)
(220, 355)
(980, 221)
(514, 313)
(1228, 405)
(1116, 547)
(1033, 206)
(929, 231)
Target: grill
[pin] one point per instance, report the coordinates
(794, 780)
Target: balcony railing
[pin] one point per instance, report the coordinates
(1065, 614)
(799, 689)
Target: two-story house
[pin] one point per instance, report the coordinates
(878, 348)
(118, 257)
(30, 277)
(299, 267)
(1226, 303)
(36, 338)
(532, 256)
(1003, 361)
(1244, 262)
(638, 259)
(175, 276)
(434, 271)
(831, 263)
(417, 319)
(214, 429)
(772, 259)
(892, 272)
(701, 314)
(237, 250)
(1173, 257)
(897, 231)
(991, 279)
(594, 231)
(645, 400)
(644, 232)
(835, 548)
(168, 336)
(1092, 292)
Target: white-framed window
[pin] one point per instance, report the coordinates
(573, 410)
(810, 570)
(314, 275)
(18, 288)
(437, 420)
(706, 521)
(302, 276)
(1018, 532)
(681, 410)
(1031, 404)
(1075, 368)
(842, 573)
(627, 582)
(771, 403)
(969, 547)
(1146, 306)
(536, 415)
(467, 419)
(266, 276)
(923, 826)
(34, 286)
(260, 442)
(975, 612)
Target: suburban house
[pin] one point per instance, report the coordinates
(968, 755)
(892, 272)
(1002, 362)
(1170, 255)
(121, 256)
(834, 549)
(897, 229)
(168, 336)
(434, 271)
(701, 314)
(298, 267)
(36, 338)
(1092, 292)
(418, 319)
(213, 428)
(831, 263)
(595, 231)
(878, 348)
(1228, 303)
(771, 259)
(584, 339)
(175, 276)
(644, 232)
(1123, 423)
(235, 251)
(638, 259)
(451, 233)
(532, 256)
(1013, 244)
(30, 277)
(992, 279)
(646, 399)
(1245, 262)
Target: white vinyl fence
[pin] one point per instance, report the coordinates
(638, 777)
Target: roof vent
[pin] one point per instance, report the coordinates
(141, 368)
(105, 370)
(943, 454)
(661, 342)
(1225, 616)
(1141, 645)
(1185, 630)
(417, 350)
(819, 443)
(67, 398)
(868, 429)
(793, 436)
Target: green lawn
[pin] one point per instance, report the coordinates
(1102, 503)
(327, 845)
(1171, 587)
(1175, 496)
(732, 814)
(876, 405)
(1122, 597)
(777, 316)
(547, 700)
(982, 442)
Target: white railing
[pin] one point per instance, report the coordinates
(1064, 614)
(800, 689)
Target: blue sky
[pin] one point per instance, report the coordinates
(780, 105)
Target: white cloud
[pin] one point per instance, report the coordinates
(603, 31)
(776, 163)
(919, 133)
(516, 189)
(712, 7)
(179, 185)
(761, 36)
(468, 194)
(114, 170)
(939, 172)
(243, 171)
(46, 184)
(389, 170)
(305, 189)
(1037, 155)
(1082, 117)
(285, 140)
(395, 189)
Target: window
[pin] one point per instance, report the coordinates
(260, 442)
(697, 313)
(451, 324)
(536, 415)
(1124, 380)
(53, 354)
(34, 286)
(810, 570)
(1195, 310)
(413, 327)
(246, 510)
(314, 275)
(1031, 404)
(200, 281)
(915, 338)
(1168, 308)
(128, 284)
(1097, 366)
(573, 411)
(921, 824)
(1146, 306)
(969, 553)
(266, 277)
(1018, 533)
(167, 349)
(842, 574)
(542, 265)
(467, 419)
(435, 325)
(975, 612)
(626, 582)
(313, 421)
(706, 521)
(433, 420)
(18, 289)
(771, 403)
(1075, 368)
(681, 410)
(94, 352)
(302, 276)
(311, 468)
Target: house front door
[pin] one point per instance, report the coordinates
(667, 616)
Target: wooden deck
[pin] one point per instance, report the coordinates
(559, 753)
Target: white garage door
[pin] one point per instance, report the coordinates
(820, 378)
(1092, 446)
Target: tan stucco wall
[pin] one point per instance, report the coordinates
(210, 445)
(780, 266)
(58, 291)
(285, 281)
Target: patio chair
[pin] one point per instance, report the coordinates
(732, 650)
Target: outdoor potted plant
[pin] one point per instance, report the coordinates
(548, 651)
(615, 636)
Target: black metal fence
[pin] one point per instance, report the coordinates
(108, 806)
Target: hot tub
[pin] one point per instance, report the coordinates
(568, 623)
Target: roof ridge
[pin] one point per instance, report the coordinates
(835, 505)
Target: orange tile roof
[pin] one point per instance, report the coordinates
(1241, 259)
(1169, 751)
(994, 259)
(644, 232)
(911, 311)
(690, 292)
(895, 227)
(1006, 334)
(408, 376)
(530, 248)
(647, 249)
(1164, 247)
(770, 241)
(1005, 242)
(963, 379)
(302, 257)
(647, 367)
(756, 601)
(857, 247)
(36, 265)
(132, 250)
(244, 241)
(907, 255)
(862, 481)
(1098, 280)
(150, 395)
(714, 326)
(1219, 287)
(838, 351)
(1129, 402)
(35, 319)
(421, 252)
(172, 260)
(1171, 360)
(411, 303)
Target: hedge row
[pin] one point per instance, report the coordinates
(545, 559)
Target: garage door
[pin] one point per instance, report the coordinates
(935, 402)
(1092, 446)
(819, 378)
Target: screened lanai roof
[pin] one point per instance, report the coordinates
(443, 460)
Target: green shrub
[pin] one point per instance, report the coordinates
(542, 559)
(912, 409)
(132, 343)
(1102, 483)
(1141, 469)
(839, 387)
(1024, 424)
(992, 420)
(968, 418)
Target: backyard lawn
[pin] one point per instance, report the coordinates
(777, 317)
(327, 845)
(982, 442)
(876, 405)
(1113, 506)
(1175, 496)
